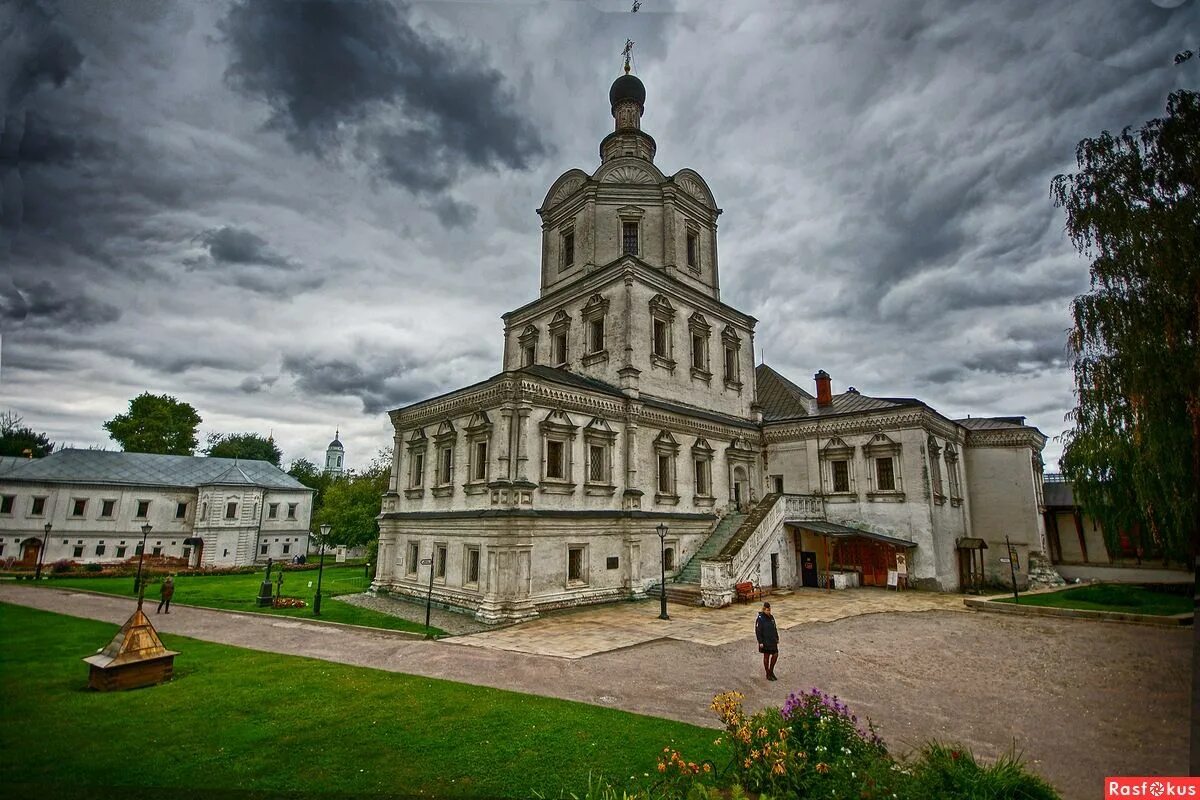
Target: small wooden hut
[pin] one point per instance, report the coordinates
(134, 658)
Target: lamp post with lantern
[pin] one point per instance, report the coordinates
(325, 529)
(42, 552)
(662, 562)
(137, 582)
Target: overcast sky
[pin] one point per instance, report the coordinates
(298, 215)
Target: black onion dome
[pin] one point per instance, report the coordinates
(627, 87)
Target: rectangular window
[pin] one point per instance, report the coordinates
(472, 565)
(885, 475)
(78, 552)
(37, 507)
(78, 508)
(231, 511)
(157, 551)
(445, 465)
(273, 511)
(841, 476)
(414, 557)
(120, 552)
(418, 477)
(777, 483)
(481, 461)
(287, 548)
(568, 250)
(143, 509)
(730, 365)
(575, 564)
(560, 349)
(439, 562)
(181, 510)
(529, 358)
(263, 550)
(596, 335)
(629, 238)
(596, 472)
(703, 484)
(664, 475)
(613, 562)
(187, 552)
(693, 250)
(660, 338)
(699, 351)
(6, 503)
(555, 466)
(108, 508)
(292, 510)
(100, 549)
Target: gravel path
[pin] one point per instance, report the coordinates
(451, 622)
(1080, 700)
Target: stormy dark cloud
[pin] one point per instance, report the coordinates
(330, 71)
(297, 215)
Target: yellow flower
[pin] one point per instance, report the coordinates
(777, 769)
(822, 767)
(662, 766)
(708, 767)
(762, 733)
(746, 764)
(754, 754)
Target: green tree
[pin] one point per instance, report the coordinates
(17, 439)
(352, 503)
(1133, 454)
(314, 478)
(249, 446)
(155, 423)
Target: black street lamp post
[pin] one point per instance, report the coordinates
(137, 582)
(325, 529)
(662, 561)
(42, 552)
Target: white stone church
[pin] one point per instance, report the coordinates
(629, 400)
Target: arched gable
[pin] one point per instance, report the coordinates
(629, 170)
(567, 184)
(690, 182)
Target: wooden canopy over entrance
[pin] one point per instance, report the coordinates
(866, 552)
(970, 565)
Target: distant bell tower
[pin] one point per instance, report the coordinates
(335, 456)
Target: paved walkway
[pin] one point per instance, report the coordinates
(1081, 700)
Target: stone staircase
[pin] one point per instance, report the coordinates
(684, 586)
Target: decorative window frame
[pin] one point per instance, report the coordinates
(558, 427)
(413, 563)
(702, 454)
(837, 450)
(665, 446)
(731, 341)
(444, 547)
(698, 327)
(598, 433)
(528, 342)
(630, 214)
(418, 444)
(692, 229)
(560, 325)
(584, 577)
(595, 309)
(882, 446)
(466, 566)
(935, 471)
(952, 475)
(478, 430)
(566, 231)
(446, 439)
(662, 311)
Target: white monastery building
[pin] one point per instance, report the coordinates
(629, 400)
(91, 506)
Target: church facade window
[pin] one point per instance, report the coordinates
(666, 453)
(883, 456)
(567, 243)
(471, 570)
(732, 344)
(560, 328)
(558, 436)
(702, 458)
(414, 557)
(952, 475)
(699, 331)
(598, 440)
(479, 435)
(693, 247)
(444, 442)
(935, 471)
(439, 562)
(417, 446)
(662, 320)
(629, 238)
(837, 459)
(577, 564)
(594, 315)
(528, 342)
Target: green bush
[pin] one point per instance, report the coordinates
(944, 772)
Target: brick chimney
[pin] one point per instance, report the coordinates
(824, 392)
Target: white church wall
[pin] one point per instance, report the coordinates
(1004, 502)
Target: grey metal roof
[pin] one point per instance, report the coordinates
(148, 469)
(781, 399)
(991, 423)
(10, 463)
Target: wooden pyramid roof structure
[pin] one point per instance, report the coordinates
(136, 641)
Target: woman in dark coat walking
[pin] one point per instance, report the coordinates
(167, 592)
(767, 634)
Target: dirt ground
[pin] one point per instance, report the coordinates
(1080, 700)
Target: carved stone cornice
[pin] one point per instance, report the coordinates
(1007, 437)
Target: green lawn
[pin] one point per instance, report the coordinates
(1113, 597)
(238, 593)
(241, 720)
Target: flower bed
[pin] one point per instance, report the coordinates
(288, 602)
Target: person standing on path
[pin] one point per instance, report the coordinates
(167, 592)
(767, 634)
